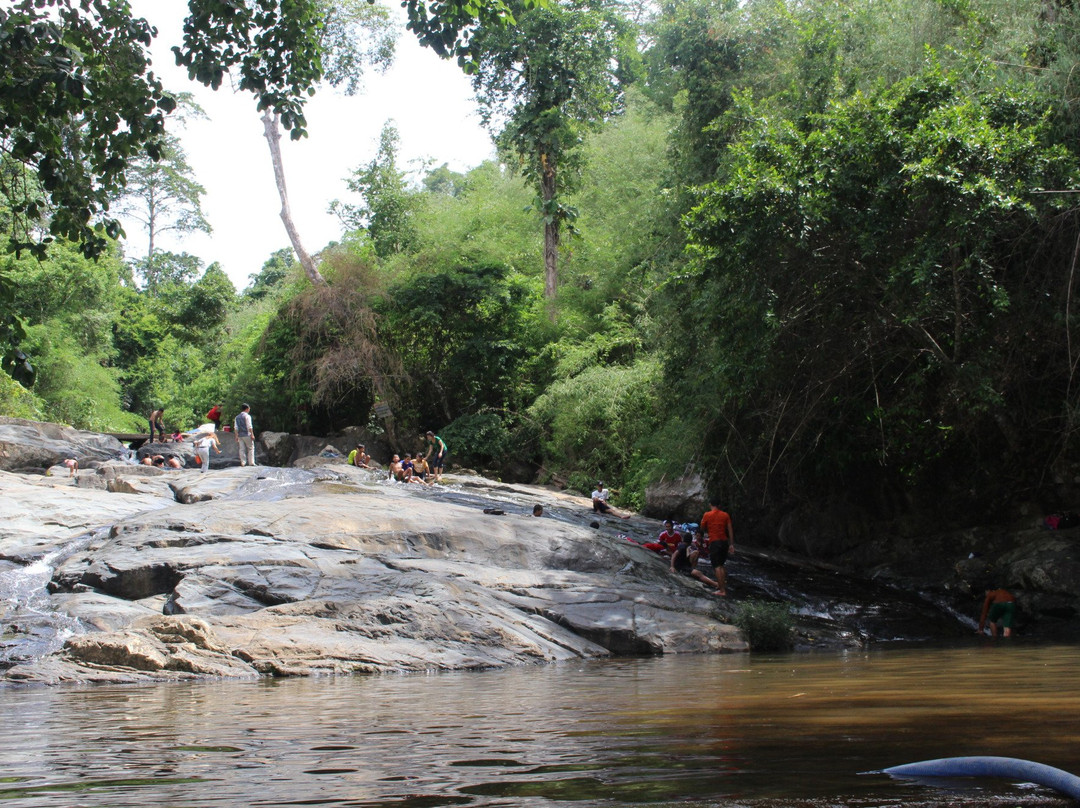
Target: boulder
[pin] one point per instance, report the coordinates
(337, 570)
(35, 444)
(682, 500)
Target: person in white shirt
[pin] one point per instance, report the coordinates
(600, 503)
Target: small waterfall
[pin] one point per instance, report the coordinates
(29, 626)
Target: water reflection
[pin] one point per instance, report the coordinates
(790, 730)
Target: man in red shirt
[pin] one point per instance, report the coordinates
(717, 526)
(670, 538)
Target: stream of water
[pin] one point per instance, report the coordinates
(793, 730)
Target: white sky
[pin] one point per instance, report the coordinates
(429, 100)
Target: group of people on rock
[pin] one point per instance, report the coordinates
(204, 439)
(713, 538)
(426, 468)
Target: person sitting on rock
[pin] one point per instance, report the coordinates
(396, 472)
(669, 538)
(700, 546)
(408, 470)
(684, 562)
(421, 471)
(600, 503)
(173, 462)
(359, 458)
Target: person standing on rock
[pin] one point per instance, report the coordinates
(999, 607)
(717, 526)
(245, 436)
(214, 416)
(203, 442)
(438, 446)
(156, 419)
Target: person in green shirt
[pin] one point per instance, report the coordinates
(437, 452)
(359, 458)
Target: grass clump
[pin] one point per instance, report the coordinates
(768, 626)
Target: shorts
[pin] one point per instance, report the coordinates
(718, 552)
(687, 571)
(1002, 614)
(599, 506)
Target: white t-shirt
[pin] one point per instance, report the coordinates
(600, 495)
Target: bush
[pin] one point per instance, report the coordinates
(18, 402)
(477, 440)
(768, 626)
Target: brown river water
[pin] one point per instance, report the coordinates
(811, 729)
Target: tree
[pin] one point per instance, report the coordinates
(541, 84)
(871, 286)
(78, 103)
(461, 335)
(163, 195)
(444, 182)
(270, 277)
(285, 48)
(388, 204)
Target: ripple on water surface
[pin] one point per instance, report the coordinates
(723, 730)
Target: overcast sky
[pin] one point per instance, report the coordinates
(429, 100)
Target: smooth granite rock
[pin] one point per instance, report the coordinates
(263, 571)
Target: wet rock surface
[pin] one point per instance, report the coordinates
(324, 568)
(334, 570)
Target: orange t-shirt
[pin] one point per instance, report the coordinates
(715, 524)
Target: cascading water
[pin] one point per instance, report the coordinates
(31, 626)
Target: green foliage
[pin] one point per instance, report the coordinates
(767, 626)
(282, 50)
(75, 391)
(542, 84)
(273, 274)
(461, 335)
(593, 422)
(78, 104)
(479, 439)
(389, 206)
(163, 195)
(857, 279)
(18, 402)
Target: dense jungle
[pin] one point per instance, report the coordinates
(820, 254)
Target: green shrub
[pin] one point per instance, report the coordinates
(18, 402)
(768, 626)
(477, 440)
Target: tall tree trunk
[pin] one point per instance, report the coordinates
(272, 130)
(551, 227)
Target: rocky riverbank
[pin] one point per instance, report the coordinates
(130, 573)
(154, 574)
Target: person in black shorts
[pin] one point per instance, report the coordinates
(683, 560)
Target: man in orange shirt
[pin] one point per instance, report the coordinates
(717, 526)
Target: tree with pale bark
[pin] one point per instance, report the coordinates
(542, 84)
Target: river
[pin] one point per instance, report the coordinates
(809, 729)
